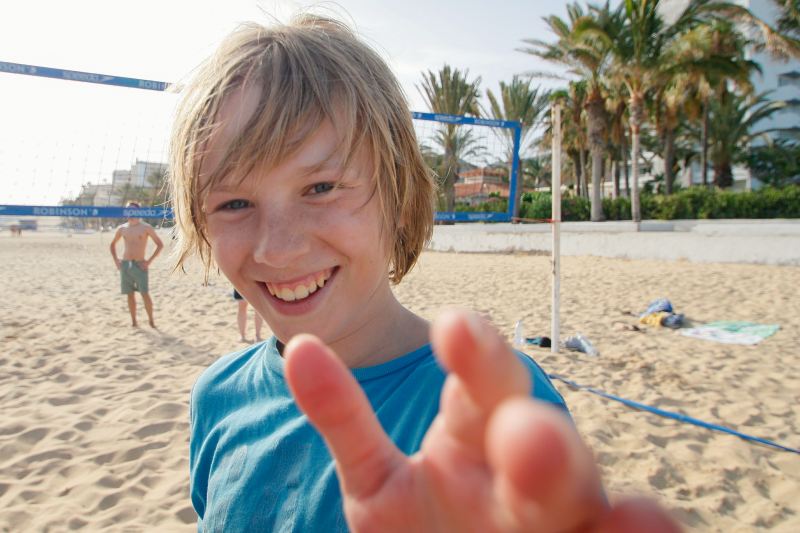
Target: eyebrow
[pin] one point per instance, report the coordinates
(303, 173)
(331, 162)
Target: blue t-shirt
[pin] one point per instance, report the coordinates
(257, 464)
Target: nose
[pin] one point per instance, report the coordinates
(281, 237)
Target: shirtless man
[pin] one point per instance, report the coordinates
(133, 266)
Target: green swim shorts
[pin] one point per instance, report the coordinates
(132, 277)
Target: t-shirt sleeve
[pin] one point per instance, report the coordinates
(543, 389)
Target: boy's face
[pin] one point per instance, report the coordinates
(301, 241)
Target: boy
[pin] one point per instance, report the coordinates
(133, 266)
(296, 171)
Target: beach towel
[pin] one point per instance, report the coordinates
(732, 332)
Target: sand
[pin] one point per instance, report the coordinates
(93, 426)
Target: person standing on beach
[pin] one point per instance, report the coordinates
(241, 318)
(133, 267)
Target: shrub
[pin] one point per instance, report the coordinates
(692, 203)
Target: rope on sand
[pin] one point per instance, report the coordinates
(675, 416)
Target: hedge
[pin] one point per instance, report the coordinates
(693, 203)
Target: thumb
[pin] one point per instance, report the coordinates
(328, 394)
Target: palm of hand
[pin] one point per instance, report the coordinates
(493, 459)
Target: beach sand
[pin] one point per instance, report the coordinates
(93, 425)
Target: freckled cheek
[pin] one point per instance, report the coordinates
(346, 225)
(229, 245)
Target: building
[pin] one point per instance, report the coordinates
(120, 178)
(478, 185)
(139, 175)
(141, 172)
(123, 182)
(101, 195)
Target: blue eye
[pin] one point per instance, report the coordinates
(321, 188)
(234, 205)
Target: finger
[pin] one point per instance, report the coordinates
(463, 419)
(638, 515)
(328, 394)
(545, 476)
(474, 351)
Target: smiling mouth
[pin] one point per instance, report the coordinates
(300, 289)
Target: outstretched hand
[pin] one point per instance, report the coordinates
(493, 460)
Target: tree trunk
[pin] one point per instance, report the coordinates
(615, 175)
(597, 199)
(451, 174)
(669, 159)
(704, 144)
(625, 167)
(518, 193)
(582, 180)
(636, 214)
(723, 175)
(587, 170)
(449, 193)
(636, 111)
(595, 111)
(576, 163)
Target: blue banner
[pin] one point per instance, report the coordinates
(88, 77)
(90, 211)
(84, 211)
(459, 119)
(445, 216)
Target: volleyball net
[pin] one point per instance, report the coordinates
(82, 151)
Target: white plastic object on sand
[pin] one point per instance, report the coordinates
(579, 343)
(519, 335)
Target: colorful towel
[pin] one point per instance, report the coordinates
(732, 332)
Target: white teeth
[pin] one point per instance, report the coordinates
(300, 292)
(287, 294)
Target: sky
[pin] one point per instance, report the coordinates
(56, 135)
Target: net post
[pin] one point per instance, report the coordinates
(513, 207)
(556, 216)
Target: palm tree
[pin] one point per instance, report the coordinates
(789, 17)
(451, 92)
(732, 121)
(536, 170)
(642, 57)
(158, 185)
(710, 54)
(128, 193)
(617, 110)
(584, 51)
(521, 102)
(780, 42)
(716, 38)
(638, 51)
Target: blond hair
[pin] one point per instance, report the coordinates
(309, 71)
